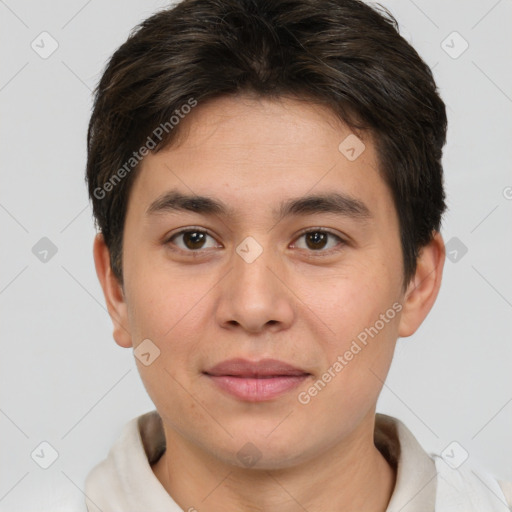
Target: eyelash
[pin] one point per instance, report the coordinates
(320, 252)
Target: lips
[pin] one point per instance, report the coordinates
(264, 368)
(256, 381)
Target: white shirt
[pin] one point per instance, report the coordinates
(125, 482)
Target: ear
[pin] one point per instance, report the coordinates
(113, 292)
(424, 286)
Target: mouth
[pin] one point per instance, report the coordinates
(256, 381)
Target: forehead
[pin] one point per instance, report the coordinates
(252, 153)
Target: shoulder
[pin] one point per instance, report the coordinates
(430, 481)
(469, 487)
(506, 488)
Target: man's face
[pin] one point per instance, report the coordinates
(252, 284)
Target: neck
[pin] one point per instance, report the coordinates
(349, 477)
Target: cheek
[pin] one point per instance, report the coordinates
(357, 357)
(346, 302)
(163, 303)
(172, 312)
(362, 312)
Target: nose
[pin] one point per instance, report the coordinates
(254, 295)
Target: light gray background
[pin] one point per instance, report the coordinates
(65, 381)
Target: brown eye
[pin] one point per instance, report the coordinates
(191, 240)
(194, 239)
(318, 240)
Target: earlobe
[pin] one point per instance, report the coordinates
(113, 292)
(424, 286)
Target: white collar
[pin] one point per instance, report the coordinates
(125, 481)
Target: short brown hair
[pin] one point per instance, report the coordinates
(340, 53)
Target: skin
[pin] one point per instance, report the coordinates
(291, 303)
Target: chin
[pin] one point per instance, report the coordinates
(260, 452)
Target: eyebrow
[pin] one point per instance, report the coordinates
(335, 203)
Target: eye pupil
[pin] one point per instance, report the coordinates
(317, 238)
(196, 239)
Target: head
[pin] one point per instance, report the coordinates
(299, 142)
